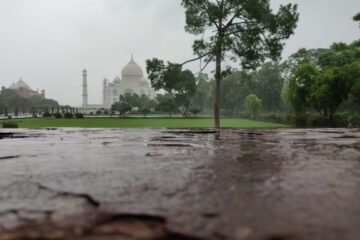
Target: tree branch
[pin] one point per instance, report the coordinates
(195, 59)
(206, 64)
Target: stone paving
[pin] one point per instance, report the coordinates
(180, 184)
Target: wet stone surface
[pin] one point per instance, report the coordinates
(180, 184)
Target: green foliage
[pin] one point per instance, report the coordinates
(248, 31)
(121, 107)
(10, 125)
(323, 79)
(235, 88)
(253, 104)
(357, 17)
(145, 111)
(137, 101)
(171, 78)
(79, 115)
(203, 97)
(268, 86)
(195, 110)
(166, 103)
(47, 115)
(354, 121)
(58, 115)
(10, 101)
(68, 115)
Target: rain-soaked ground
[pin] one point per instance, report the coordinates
(180, 184)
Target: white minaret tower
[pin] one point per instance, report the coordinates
(85, 92)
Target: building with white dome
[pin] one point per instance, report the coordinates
(132, 81)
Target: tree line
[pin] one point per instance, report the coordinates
(13, 103)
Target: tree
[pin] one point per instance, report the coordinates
(269, 85)
(253, 104)
(167, 104)
(235, 88)
(195, 110)
(237, 29)
(204, 92)
(145, 111)
(323, 79)
(137, 101)
(171, 78)
(121, 107)
(356, 18)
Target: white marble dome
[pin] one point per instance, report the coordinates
(132, 70)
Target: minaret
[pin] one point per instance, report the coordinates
(85, 92)
(105, 82)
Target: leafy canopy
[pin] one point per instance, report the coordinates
(246, 29)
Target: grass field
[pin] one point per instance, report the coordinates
(141, 123)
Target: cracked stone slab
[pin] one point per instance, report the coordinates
(180, 184)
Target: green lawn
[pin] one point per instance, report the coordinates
(142, 123)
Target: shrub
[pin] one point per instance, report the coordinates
(318, 121)
(10, 125)
(79, 115)
(58, 115)
(98, 112)
(145, 111)
(68, 115)
(47, 115)
(9, 117)
(299, 120)
(354, 121)
(340, 120)
(195, 110)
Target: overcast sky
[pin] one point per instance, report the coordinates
(49, 42)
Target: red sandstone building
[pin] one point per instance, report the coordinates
(25, 91)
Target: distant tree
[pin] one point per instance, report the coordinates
(235, 88)
(166, 103)
(145, 111)
(253, 104)
(172, 79)
(195, 110)
(138, 101)
(121, 107)
(204, 92)
(269, 84)
(357, 17)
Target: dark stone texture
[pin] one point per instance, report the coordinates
(180, 184)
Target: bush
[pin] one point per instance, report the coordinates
(58, 115)
(354, 121)
(98, 112)
(9, 117)
(79, 115)
(340, 120)
(47, 115)
(318, 121)
(299, 120)
(273, 117)
(68, 115)
(10, 125)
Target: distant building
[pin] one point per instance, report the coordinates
(24, 90)
(132, 81)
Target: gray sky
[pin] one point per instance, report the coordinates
(49, 42)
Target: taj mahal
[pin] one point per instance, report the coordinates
(132, 81)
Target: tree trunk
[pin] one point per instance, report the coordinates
(217, 85)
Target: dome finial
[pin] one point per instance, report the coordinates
(132, 57)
